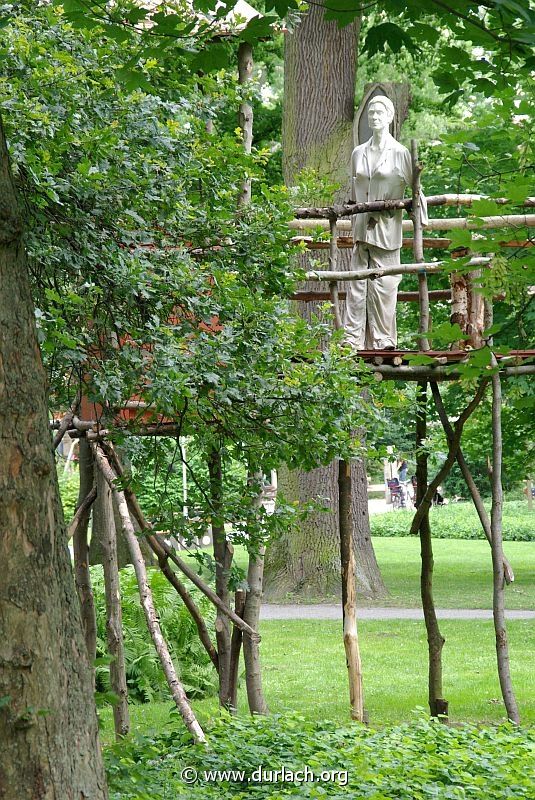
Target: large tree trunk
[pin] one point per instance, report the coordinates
(320, 68)
(48, 723)
(306, 562)
(319, 105)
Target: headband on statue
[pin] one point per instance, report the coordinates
(386, 102)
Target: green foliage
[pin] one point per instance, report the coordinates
(144, 673)
(409, 761)
(458, 521)
(68, 489)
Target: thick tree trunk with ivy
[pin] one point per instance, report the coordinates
(48, 723)
(319, 107)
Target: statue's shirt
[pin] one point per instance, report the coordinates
(392, 174)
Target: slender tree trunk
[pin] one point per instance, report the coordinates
(435, 641)
(349, 594)
(104, 529)
(223, 562)
(235, 650)
(251, 650)
(81, 553)
(498, 594)
(177, 690)
(48, 722)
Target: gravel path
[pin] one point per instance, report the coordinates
(272, 611)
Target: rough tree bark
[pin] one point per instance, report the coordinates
(81, 553)
(104, 528)
(48, 723)
(319, 108)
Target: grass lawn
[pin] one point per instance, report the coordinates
(463, 573)
(304, 671)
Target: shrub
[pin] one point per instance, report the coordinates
(459, 521)
(415, 760)
(144, 673)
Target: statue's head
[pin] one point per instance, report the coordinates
(380, 112)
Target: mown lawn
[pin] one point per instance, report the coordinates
(463, 573)
(304, 671)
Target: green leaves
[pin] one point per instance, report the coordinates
(388, 33)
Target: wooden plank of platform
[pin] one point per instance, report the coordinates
(445, 356)
(408, 297)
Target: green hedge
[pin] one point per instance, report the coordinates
(413, 761)
(459, 521)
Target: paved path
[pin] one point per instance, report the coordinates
(324, 611)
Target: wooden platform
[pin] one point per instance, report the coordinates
(443, 356)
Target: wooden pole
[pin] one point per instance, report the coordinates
(498, 581)
(104, 528)
(418, 247)
(421, 523)
(251, 615)
(245, 115)
(333, 285)
(79, 527)
(349, 592)
(223, 553)
(160, 645)
(435, 641)
(347, 552)
(469, 480)
(348, 209)
(402, 269)
(443, 224)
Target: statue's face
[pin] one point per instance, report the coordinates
(378, 117)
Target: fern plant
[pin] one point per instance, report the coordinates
(144, 674)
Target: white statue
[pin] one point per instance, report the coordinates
(381, 169)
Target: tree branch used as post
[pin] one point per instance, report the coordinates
(453, 448)
(349, 592)
(435, 640)
(245, 116)
(66, 423)
(498, 593)
(158, 542)
(468, 478)
(104, 529)
(418, 247)
(333, 285)
(175, 686)
(251, 615)
(78, 530)
(223, 553)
